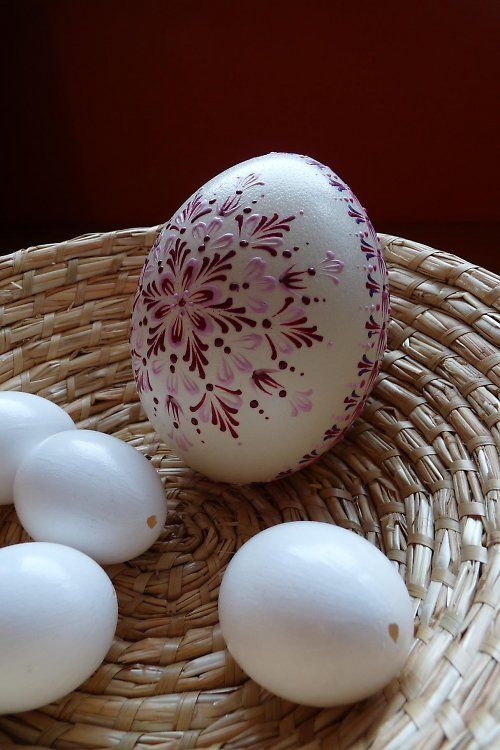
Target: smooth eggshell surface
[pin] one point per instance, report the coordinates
(58, 614)
(93, 492)
(260, 319)
(25, 420)
(315, 614)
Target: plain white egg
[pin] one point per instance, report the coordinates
(25, 420)
(93, 492)
(58, 615)
(259, 322)
(315, 614)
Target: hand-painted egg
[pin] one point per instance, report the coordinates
(92, 492)
(315, 614)
(58, 614)
(260, 319)
(25, 420)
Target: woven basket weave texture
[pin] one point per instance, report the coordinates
(418, 475)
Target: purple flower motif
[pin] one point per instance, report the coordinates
(261, 232)
(229, 205)
(191, 213)
(233, 202)
(141, 373)
(254, 179)
(219, 406)
(173, 408)
(185, 303)
(288, 329)
(263, 380)
(293, 280)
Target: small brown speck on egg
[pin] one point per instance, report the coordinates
(394, 631)
(151, 521)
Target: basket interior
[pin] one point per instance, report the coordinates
(418, 475)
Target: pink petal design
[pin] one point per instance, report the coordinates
(214, 226)
(254, 274)
(212, 231)
(250, 341)
(300, 401)
(250, 223)
(271, 242)
(231, 399)
(225, 373)
(255, 269)
(292, 313)
(147, 270)
(284, 345)
(256, 304)
(137, 339)
(165, 246)
(199, 230)
(157, 366)
(180, 439)
(204, 409)
(189, 384)
(172, 383)
(267, 283)
(258, 285)
(225, 240)
(228, 205)
(183, 443)
(331, 266)
(242, 363)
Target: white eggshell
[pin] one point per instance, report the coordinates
(92, 492)
(58, 614)
(25, 420)
(260, 319)
(315, 614)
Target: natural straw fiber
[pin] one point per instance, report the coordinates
(418, 475)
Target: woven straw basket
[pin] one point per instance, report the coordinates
(418, 475)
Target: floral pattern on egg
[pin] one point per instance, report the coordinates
(227, 334)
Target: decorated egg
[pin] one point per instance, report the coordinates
(259, 321)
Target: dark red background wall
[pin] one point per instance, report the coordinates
(117, 111)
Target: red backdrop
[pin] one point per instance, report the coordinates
(118, 111)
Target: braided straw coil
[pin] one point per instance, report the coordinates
(418, 475)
